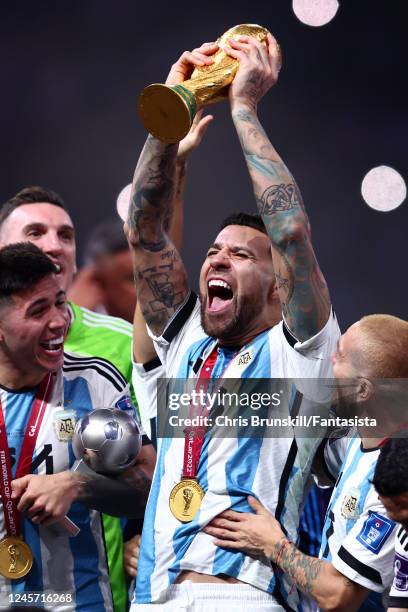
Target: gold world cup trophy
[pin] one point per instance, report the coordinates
(168, 112)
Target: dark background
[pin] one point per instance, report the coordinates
(71, 72)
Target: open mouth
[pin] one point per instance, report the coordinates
(53, 347)
(220, 295)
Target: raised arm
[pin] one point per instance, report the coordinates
(160, 278)
(302, 288)
(143, 349)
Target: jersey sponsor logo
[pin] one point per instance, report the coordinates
(64, 424)
(400, 573)
(375, 532)
(349, 506)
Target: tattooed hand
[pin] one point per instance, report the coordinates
(259, 66)
(181, 70)
(256, 534)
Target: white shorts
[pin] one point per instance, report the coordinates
(213, 597)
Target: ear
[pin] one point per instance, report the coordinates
(273, 294)
(365, 389)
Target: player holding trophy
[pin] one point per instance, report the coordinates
(257, 269)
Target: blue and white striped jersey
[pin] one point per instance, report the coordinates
(398, 597)
(276, 470)
(358, 537)
(75, 565)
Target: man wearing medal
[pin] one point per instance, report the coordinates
(257, 271)
(38, 490)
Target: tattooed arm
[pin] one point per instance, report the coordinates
(143, 349)
(302, 289)
(260, 534)
(160, 276)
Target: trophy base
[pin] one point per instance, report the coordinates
(167, 112)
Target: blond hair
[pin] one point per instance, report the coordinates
(384, 348)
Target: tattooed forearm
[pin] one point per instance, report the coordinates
(317, 577)
(302, 569)
(181, 176)
(160, 277)
(278, 198)
(152, 193)
(170, 254)
(302, 289)
(266, 168)
(284, 279)
(158, 291)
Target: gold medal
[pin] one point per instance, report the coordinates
(16, 558)
(185, 499)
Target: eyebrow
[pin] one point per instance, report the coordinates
(39, 225)
(235, 249)
(44, 301)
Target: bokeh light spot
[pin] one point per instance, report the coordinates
(315, 12)
(383, 188)
(122, 203)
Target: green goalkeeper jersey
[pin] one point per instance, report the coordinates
(96, 335)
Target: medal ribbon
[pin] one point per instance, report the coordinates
(11, 514)
(194, 436)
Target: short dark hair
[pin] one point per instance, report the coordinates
(246, 219)
(106, 238)
(22, 266)
(390, 476)
(30, 195)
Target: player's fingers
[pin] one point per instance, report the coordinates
(239, 55)
(257, 51)
(274, 52)
(224, 523)
(222, 534)
(238, 45)
(132, 562)
(207, 48)
(36, 508)
(18, 486)
(43, 518)
(25, 502)
(131, 571)
(203, 125)
(227, 544)
(231, 515)
(202, 57)
(188, 58)
(196, 119)
(253, 43)
(256, 505)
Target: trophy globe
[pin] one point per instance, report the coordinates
(107, 441)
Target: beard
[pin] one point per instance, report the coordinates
(345, 404)
(245, 311)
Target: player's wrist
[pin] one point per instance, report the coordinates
(243, 105)
(277, 551)
(76, 483)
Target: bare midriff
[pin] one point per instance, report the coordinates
(197, 577)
